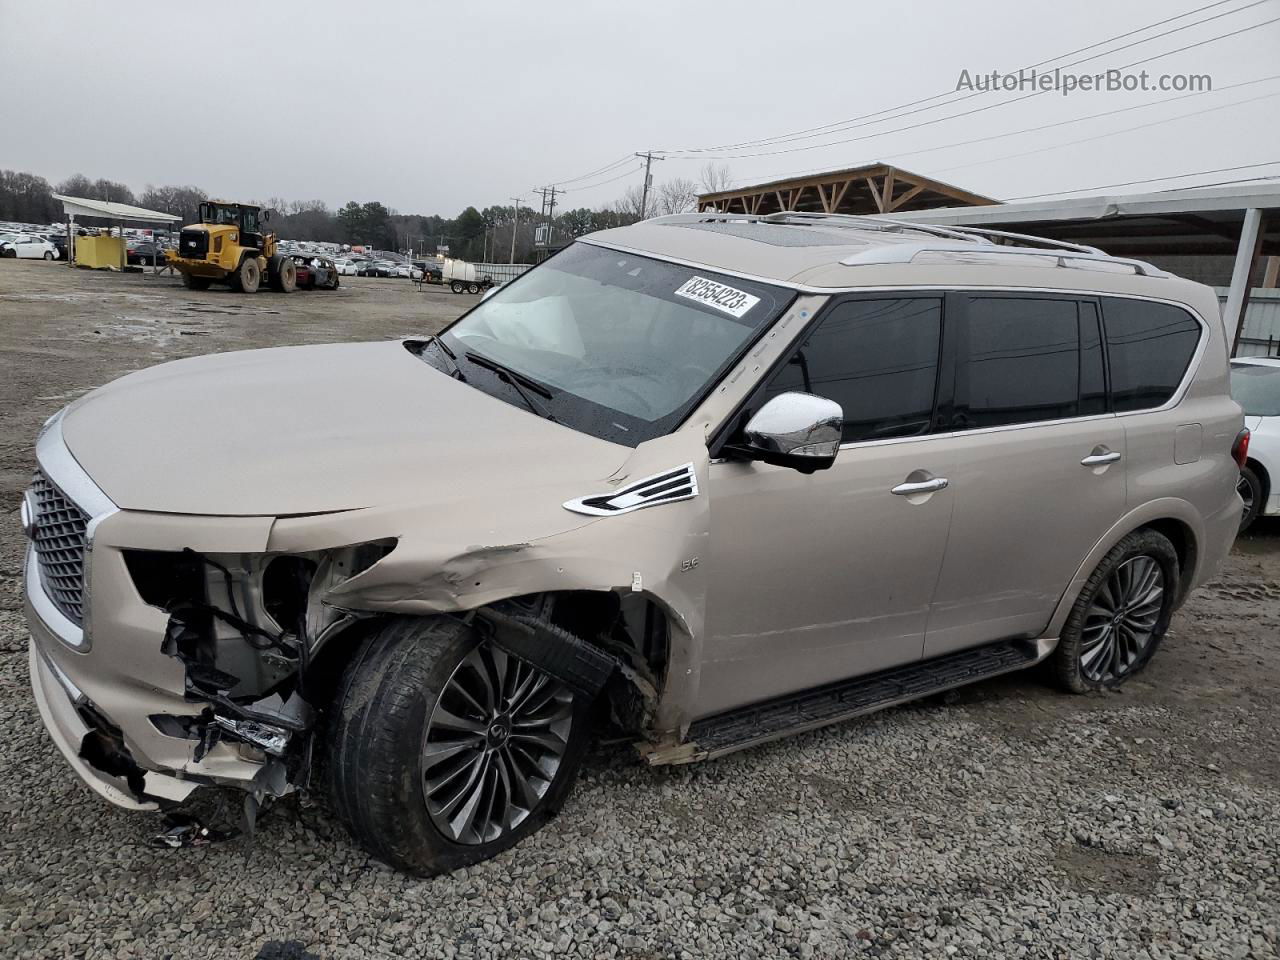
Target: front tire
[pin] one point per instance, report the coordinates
(1250, 489)
(195, 283)
(248, 278)
(456, 286)
(48, 255)
(444, 750)
(1120, 616)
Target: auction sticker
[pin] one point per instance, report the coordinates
(733, 302)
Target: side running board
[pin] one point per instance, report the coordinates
(820, 706)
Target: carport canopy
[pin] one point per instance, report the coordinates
(1240, 220)
(120, 213)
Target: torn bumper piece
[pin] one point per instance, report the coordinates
(583, 667)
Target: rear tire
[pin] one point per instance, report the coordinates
(48, 255)
(456, 286)
(248, 278)
(195, 283)
(473, 288)
(1251, 492)
(282, 274)
(403, 739)
(1120, 616)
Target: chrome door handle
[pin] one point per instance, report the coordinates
(924, 486)
(1100, 459)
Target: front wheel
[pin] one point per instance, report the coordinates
(444, 750)
(248, 277)
(195, 283)
(456, 286)
(1121, 615)
(1250, 489)
(48, 255)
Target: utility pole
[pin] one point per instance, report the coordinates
(515, 223)
(648, 180)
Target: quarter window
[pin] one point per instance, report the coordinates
(1022, 362)
(878, 359)
(1149, 346)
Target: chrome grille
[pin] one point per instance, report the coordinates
(59, 538)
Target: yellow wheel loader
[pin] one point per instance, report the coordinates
(229, 246)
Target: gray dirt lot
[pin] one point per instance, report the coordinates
(1007, 820)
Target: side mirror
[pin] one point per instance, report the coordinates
(796, 430)
(266, 216)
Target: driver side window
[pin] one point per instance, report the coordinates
(878, 359)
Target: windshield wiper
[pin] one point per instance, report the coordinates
(455, 371)
(515, 378)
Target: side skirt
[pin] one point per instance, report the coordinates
(810, 709)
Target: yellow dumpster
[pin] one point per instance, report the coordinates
(100, 252)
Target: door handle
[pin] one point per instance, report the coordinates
(923, 486)
(1100, 457)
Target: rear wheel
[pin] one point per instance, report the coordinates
(48, 255)
(1250, 489)
(195, 283)
(456, 286)
(248, 278)
(1121, 615)
(473, 288)
(444, 750)
(282, 273)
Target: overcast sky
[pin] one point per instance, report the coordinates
(429, 107)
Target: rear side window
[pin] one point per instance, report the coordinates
(1149, 346)
(878, 359)
(1021, 362)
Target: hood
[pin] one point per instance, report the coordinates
(296, 430)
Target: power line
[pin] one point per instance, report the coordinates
(1175, 176)
(1111, 133)
(594, 173)
(966, 113)
(592, 186)
(1045, 126)
(900, 111)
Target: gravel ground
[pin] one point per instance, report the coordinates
(1003, 821)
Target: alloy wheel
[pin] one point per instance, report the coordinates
(1121, 622)
(493, 745)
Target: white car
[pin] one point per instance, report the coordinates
(346, 268)
(1255, 384)
(408, 270)
(27, 246)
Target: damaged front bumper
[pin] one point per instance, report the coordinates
(98, 708)
(142, 708)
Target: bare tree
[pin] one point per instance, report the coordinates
(678, 195)
(630, 207)
(715, 177)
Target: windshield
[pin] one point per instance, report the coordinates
(1256, 387)
(622, 346)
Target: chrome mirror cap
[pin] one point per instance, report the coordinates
(795, 430)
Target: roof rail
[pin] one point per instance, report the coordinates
(950, 239)
(907, 252)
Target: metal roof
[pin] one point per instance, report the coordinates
(1186, 220)
(105, 209)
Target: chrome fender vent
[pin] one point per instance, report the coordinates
(678, 484)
